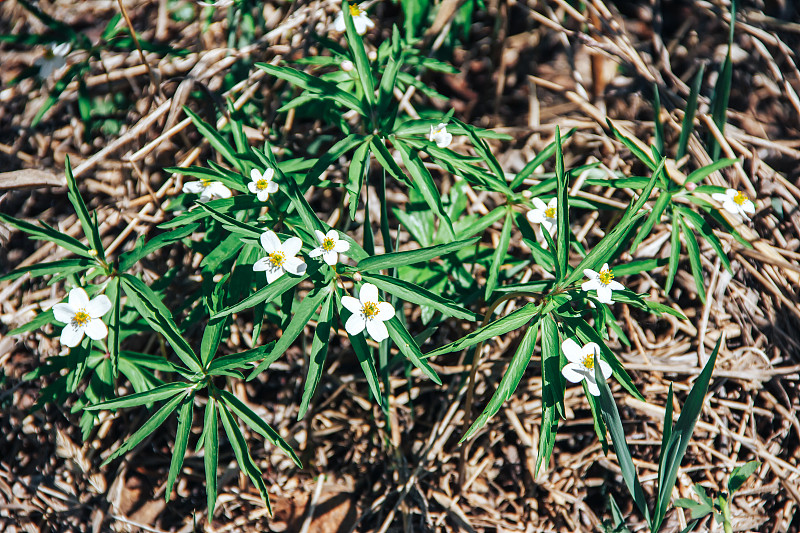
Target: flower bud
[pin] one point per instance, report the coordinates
(347, 65)
(372, 55)
(691, 186)
(357, 276)
(527, 194)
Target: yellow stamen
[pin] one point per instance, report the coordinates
(277, 259)
(328, 244)
(370, 309)
(550, 212)
(205, 182)
(606, 276)
(740, 198)
(355, 11)
(81, 318)
(262, 184)
(588, 361)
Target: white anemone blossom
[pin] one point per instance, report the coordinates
(735, 202)
(262, 185)
(368, 312)
(280, 257)
(544, 214)
(581, 364)
(330, 246)
(55, 57)
(440, 136)
(82, 315)
(603, 282)
(207, 189)
(360, 20)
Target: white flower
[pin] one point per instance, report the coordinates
(330, 246)
(280, 257)
(368, 313)
(735, 202)
(440, 136)
(218, 3)
(581, 364)
(262, 184)
(602, 282)
(360, 20)
(55, 57)
(544, 214)
(82, 315)
(207, 189)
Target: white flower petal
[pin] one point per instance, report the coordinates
(385, 311)
(61, 49)
(96, 329)
(71, 335)
(604, 294)
(351, 304)
(255, 175)
(333, 235)
(338, 23)
(219, 190)
(262, 195)
(262, 265)
(273, 274)
(572, 372)
(377, 330)
(330, 258)
(749, 207)
(731, 207)
(553, 203)
(295, 265)
(615, 285)
(292, 246)
(355, 324)
(270, 242)
(252, 187)
(78, 298)
(720, 197)
(592, 284)
(99, 306)
(605, 368)
(64, 312)
(572, 351)
(272, 187)
(193, 187)
(316, 252)
(320, 236)
(591, 384)
(591, 274)
(536, 216)
(341, 246)
(368, 293)
(539, 204)
(731, 193)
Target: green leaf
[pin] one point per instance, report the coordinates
(319, 350)
(159, 318)
(299, 321)
(679, 439)
(398, 259)
(653, 218)
(257, 424)
(62, 266)
(426, 186)
(512, 321)
(408, 347)
(142, 250)
(610, 414)
(499, 255)
(552, 378)
(89, 228)
(562, 210)
(547, 437)
(687, 125)
(640, 154)
(674, 253)
(181, 440)
(693, 251)
(315, 85)
(46, 233)
(150, 426)
(722, 92)
(215, 139)
(364, 356)
(410, 292)
(698, 510)
(242, 453)
(113, 292)
(705, 230)
(659, 127)
(265, 294)
(701, 173)
(387, 161)
(510, 380)
(356, 173)
(210, 438)
(132, 400)
(740, 475)
(356, 46)
(534, 163)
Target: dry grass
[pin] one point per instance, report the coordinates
(527, 68)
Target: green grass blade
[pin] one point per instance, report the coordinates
(693, 251)
(132, 400)
(181, 440)
(410, 292)
(319, 350)
(215, 139)
(408, 347)
(687, 126)
(421, 255)
(562, 209)
(534, 163)
(499, 255)
(425, 185)
(89, 227)
(210, 438)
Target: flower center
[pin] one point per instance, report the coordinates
(49, 54)
(740, 198)
(277, 259)
(550, 212)
(355, 11)
(328, 244)
(205, 182)
(588, 361)
(370, 309)
(262, 184)
(606, 276)
(81, 318)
